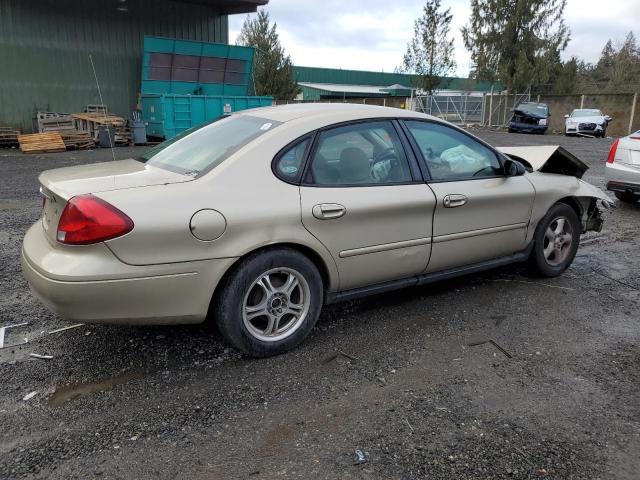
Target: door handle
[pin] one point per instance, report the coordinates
(327, 211)
(454, 200)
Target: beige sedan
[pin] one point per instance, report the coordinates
(260, 218)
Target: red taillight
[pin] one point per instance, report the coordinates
(612, 152)
(87, 219)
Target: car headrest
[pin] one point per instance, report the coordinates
(354, 166)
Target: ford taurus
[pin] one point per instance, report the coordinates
(258, 219)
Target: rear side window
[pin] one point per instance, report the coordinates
(289, 163)
(363, 154)
(198, 150)
(452, 155)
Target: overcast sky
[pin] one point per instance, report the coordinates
(373, 34)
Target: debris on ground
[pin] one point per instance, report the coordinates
(3, 331)
(492, 342)
(337, 354)
(64, 329)
(43, 357)
(30, 395)
(361, 457)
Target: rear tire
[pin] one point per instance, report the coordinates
(270, 302)
(555, 241)
(626, 197)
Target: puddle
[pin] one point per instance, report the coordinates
(66, 394)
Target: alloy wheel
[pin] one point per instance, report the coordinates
(276, 304)
(558, 240)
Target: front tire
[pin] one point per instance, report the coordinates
(555, 241)
(270, 302)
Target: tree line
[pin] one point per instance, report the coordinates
(518, 43)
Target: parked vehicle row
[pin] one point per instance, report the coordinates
(531, 117)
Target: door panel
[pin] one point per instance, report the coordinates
(481, 213)
(491, 223)
(384, 232)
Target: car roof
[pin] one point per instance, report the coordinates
(285, 113)
(533, 103)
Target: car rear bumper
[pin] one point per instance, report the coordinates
(621, 177)
(91, 285)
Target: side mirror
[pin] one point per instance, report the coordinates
(566, 116)
(608, 118)
(513, 168)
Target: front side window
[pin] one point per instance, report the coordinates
(452, 155)
(198, 150)
(360, 154)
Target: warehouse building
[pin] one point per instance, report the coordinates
(46, 48)
(330, 83)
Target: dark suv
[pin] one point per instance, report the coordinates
(530, 117)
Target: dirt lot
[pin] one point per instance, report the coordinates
(415, 398)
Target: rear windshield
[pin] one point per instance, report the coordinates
(198, 150)
(534, 108)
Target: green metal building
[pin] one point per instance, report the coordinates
(45, 49)
(330, 83)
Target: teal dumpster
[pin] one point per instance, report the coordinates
(167, 114)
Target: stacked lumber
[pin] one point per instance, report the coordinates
(91, 121)
(75, 139)
(41, 143)
(8, 137)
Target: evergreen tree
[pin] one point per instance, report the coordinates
(272, 68)
(429, 55)
(516, 41)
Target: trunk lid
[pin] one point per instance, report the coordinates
(61, 184)
(102, 177)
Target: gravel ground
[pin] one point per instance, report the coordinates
(411, 393)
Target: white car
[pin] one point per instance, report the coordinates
(586, 121)
(622, 170)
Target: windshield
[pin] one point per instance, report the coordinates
(586, 113)
(538, 109)
(198, 150)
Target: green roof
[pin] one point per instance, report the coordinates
(361, 77)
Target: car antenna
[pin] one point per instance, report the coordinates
(93, 67)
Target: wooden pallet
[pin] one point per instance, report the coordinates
(77, 140)
(53, 122)
(41, 143)
(8, 137)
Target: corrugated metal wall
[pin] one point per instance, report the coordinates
(45, 47)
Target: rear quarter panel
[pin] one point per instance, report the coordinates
(259, 209)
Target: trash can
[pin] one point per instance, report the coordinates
(139, 132)
(104, 132)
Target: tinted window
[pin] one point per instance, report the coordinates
(200, 149)
(361, 154)
(289, 164)
(451, 154)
